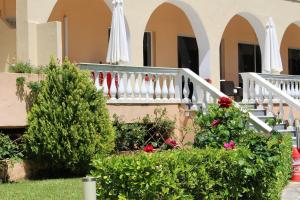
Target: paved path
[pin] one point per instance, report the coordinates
(292, 191)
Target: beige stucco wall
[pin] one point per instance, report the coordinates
(165, 33)
(7, 45)
(291, 39)
(13, 108)
(88, 24)
(208, 20)
(238, 30)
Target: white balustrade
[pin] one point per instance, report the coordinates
(281, 89)
(154, 85)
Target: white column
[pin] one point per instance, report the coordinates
(165, 91)
(105, 85)
(113, 87)
(157, 88)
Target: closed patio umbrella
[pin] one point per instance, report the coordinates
(118, 44)
(273, 63)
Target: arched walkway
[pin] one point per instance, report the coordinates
(85, 29)
(178, 38)
(240, 47)
(290, 50)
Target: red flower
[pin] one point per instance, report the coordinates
(225, 102)
(149, 148)
(230, 145)
(171, 142)
(215, 123)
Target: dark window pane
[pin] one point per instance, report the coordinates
(147, 49)
(294, 61)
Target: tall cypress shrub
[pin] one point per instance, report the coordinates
(69, 123)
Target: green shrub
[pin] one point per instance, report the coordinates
(196, 173)
(20, 68)
(150, 129)
(9, 150)
(220, 125)
(69, 123)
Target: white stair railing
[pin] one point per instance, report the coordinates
(270, 89)
(154, 85)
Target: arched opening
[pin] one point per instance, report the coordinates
(85, 29)
(290, 50)
(169, 40)
(239, 50)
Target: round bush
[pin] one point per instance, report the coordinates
(69, 123)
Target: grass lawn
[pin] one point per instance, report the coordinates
(43, 190)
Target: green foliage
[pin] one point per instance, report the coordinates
(9, 150)
(150, 129)
(232, 123)
(197, 173)
(20, 81)
(69, 123)
(20, 68)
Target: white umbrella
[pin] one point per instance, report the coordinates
(273, 63)
(118, 44)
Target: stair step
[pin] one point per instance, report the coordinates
(280, 127)
(258, 112)
(248, 105)
(264, 118)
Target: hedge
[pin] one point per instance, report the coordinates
(211, 173)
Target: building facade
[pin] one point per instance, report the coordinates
(216, 39)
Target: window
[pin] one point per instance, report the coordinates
(147, 48)
(249, 59)
(294, 61)
(188, 56)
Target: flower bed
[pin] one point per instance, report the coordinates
(196, 173)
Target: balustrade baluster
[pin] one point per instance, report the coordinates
(113, 87)
(121, 89)
(172, 88)
(165, 90)
(157, 88)
(137, 89)
(129, 89)
(260, 98)
(291, 119)
(105, 85)
(252, 91)
(97, 84)
(185, 90)
(297, 92)
(281, 110)
(289, 88)
(150, 87)
(270, 104)
(144, 91)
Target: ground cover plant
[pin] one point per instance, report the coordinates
(68, 123)
(67, 189)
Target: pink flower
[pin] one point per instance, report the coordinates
(149, 148)
(225, 102)
(230, 145)
(215, 123)
(171, 142)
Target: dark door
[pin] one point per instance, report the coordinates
(249, 59)
(294, 61)
(188, 57)
(147, 49)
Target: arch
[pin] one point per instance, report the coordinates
(241, 28)
(290, 44)
(198, 30)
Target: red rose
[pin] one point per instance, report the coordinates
(149, 148)
(171, 142)
(225, 102)
(215, 123)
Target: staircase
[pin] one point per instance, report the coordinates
(262, 114)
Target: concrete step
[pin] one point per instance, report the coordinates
(258, 112)
(264, 118)
(248, 106)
